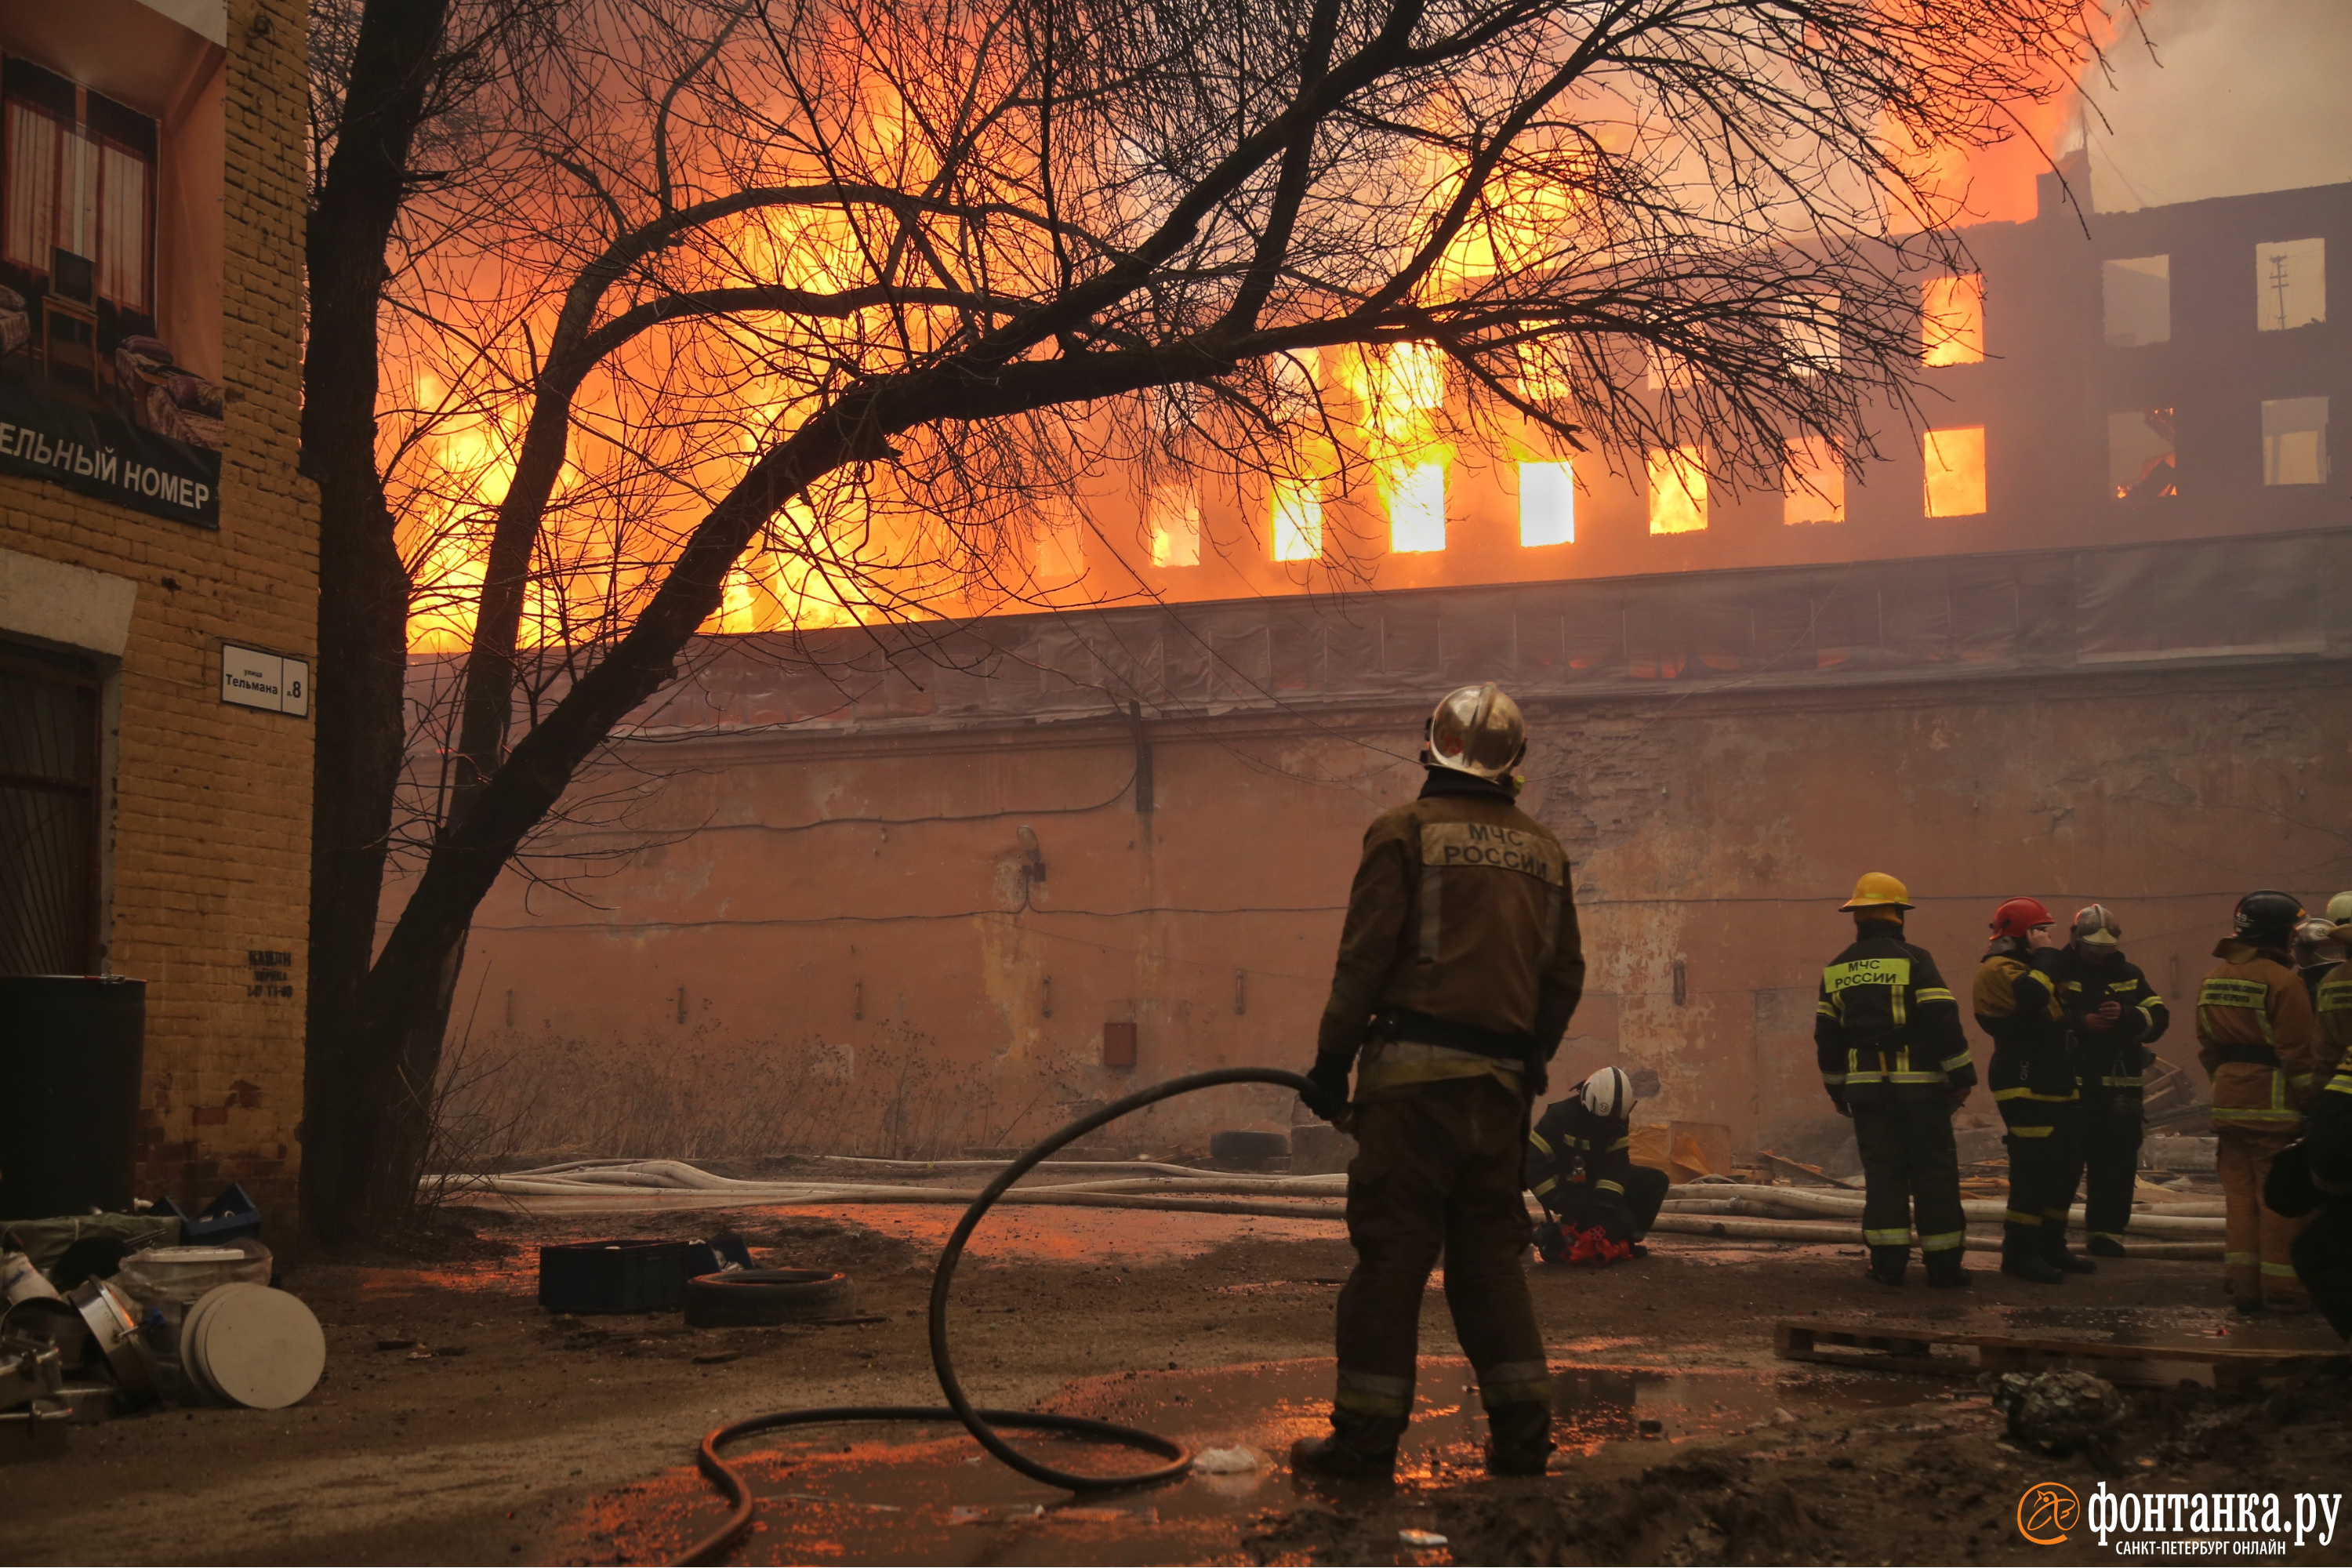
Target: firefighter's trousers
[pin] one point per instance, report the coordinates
(2108, 1125)
(2256, 1265)
(1438, 1172)
(2043, 1166)
(1626, 1218)
(1909, 1162)
(2323, 1261)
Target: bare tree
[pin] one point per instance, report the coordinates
(822, 298)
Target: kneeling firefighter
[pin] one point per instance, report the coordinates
(1886, 1035)
(2016, 1002)
(1580, 1168)
(1459, 967)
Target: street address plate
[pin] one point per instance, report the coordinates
(274, 682)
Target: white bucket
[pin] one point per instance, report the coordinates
(248, 1344)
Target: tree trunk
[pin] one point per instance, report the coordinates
(358, 686)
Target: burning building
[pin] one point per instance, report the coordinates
(2073, 626)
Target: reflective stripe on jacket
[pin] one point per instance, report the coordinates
(2112, 1060)
(1460, 919)
(1572, 1149)
(2257, 1039)
(1885, 1018)
(2332, 1001)
(2016, 1002)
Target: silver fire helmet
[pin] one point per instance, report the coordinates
(1477, 730)
(2096, 924)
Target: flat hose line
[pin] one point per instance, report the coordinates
(983, 1424)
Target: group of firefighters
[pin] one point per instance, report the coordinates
(2072, 1023)
(1460, 965)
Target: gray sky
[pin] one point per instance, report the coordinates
(2241, 96)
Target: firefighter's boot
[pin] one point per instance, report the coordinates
(2064, 1259)
(1519, 1438)
(1360, 1449)
(2030, 1265)
(1945, 1272)
(1889, 1263)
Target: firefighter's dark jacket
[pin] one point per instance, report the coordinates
(1576, 1158)
(2016, 1002)
(1886, 1019)
(2111, 1059)
(2328, 1128)
(1461, 932)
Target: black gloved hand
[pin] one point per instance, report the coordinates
(1329, 1098)
(1534, 1076)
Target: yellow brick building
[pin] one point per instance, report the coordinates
(159, 553)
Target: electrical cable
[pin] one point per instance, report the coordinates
(983, 1424)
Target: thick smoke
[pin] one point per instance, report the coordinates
(2235, 97)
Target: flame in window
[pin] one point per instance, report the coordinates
(1951, 319)
(1956, 471)
(1678, 491)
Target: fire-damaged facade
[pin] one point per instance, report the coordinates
(2079, 628)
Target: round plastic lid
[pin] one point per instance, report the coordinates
(261, 1347)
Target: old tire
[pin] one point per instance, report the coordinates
(1242, 1146)
(761, 1298)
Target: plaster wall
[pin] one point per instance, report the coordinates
(845, 930)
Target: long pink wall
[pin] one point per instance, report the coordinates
(869, 985)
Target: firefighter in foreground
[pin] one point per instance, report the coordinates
(2259, 1041)
(2016, 1002)
(1887, 1036)
(1459, 967)
(1580, 1168)
(2322, 1252)
(2114, 1015)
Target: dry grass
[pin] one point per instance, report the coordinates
(517, 1100)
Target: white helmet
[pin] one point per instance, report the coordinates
(1608, 1094)
(1476, 730)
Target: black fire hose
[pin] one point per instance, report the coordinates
(983, 1424)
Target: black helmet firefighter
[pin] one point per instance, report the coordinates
(1459, 967)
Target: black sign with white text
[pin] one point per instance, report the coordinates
(106, 456)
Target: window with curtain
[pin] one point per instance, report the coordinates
(80, 172)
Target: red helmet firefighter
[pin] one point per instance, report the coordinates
(2024, 920)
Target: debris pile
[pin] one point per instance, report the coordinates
(107, 1314)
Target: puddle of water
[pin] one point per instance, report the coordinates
(883, 1495)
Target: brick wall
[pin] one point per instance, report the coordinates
(211, 806)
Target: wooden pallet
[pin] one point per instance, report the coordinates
(1913, 1349)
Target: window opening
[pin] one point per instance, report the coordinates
(48, 812)
(1955, 462)
(1812, 337)
(2135, 296)
(1951, 319)
(2294, 441)
(1813, 483)
(1173, 512)
(1417, 508)
(1297, 514)
(1547, 504)
(2140, 456)
(2290, 284)
(1678, 491)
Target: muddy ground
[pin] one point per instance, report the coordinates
(459, 1422)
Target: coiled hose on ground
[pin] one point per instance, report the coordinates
(984, 1424)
